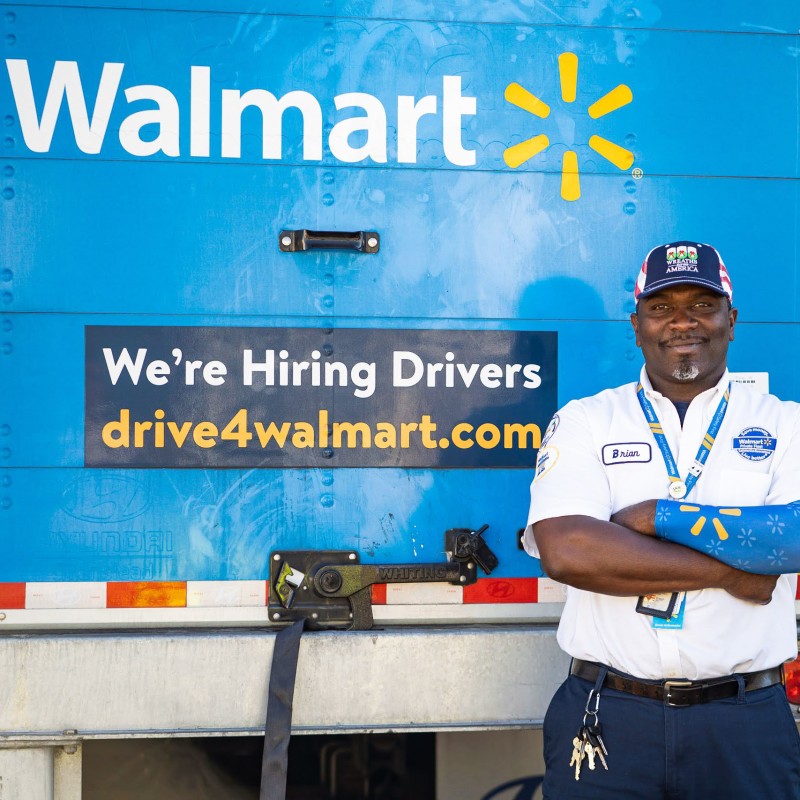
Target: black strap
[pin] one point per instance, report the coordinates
(280, 696)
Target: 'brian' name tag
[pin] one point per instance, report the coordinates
(627, 453)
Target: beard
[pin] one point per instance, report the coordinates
(686, 371)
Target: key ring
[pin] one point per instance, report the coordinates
(589, 712)
(596, 694)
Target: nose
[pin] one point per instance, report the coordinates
(682, 318)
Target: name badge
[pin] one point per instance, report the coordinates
(675, 620)
(657, 605)
(627, 453)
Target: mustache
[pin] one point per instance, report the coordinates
(677, 340)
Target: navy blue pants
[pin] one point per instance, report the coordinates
(742, 748)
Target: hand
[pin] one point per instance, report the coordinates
(750, 586)
(640, 517)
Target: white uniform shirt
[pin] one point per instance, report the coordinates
(599, 456)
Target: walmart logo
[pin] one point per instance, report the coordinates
(204, 120)
(700, 522)
(570, 177)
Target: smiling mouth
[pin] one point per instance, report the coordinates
(683, 344)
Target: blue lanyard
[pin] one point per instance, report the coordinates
(678, 489)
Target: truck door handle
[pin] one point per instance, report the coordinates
(303, 239)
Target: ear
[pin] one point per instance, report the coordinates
(635, 323)
(732, 315)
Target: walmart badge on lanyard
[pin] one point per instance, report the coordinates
(677, 488)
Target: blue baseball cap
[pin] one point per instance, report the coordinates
(683, 262)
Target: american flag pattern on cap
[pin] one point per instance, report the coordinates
(641, 280)
(679, 263)
(725, 279)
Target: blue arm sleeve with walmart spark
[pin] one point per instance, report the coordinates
(762, 539)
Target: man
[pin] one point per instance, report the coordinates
(675, 682)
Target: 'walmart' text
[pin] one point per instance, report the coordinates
(168, 116)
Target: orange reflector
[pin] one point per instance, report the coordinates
(12, 595)
(791, 672)
(379, 594)
(502, 590)
(146, 594)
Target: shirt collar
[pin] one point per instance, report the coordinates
(707, 398)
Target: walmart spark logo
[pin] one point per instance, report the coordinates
(618, 97)
(700, 523)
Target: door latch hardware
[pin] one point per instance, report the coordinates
(332, 587)
(465, 544)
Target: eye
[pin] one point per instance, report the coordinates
(706, 305)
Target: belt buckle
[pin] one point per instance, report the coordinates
(669, 686)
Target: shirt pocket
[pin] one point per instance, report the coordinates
(744, 488)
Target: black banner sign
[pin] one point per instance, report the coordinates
(308, 397)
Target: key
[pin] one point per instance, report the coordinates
(590, 751)
(597, 739)
(598, 752)
(597, 743)
(578, 755)
(576, 747)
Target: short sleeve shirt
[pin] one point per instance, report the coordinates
(599, 456)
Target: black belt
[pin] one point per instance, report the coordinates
(680, 693)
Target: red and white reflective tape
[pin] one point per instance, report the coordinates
(232, 594)
(238, 594)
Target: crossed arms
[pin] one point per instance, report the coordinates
(624, 556)
(759, 539)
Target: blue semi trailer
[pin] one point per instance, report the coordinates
(288, 295)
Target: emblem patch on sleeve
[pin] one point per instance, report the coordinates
(551, 429)
(545, 461)
(755, 443)
(627, 453)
